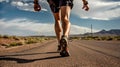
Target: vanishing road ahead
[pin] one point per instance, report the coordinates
(83, 54)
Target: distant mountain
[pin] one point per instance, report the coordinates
(112, 32)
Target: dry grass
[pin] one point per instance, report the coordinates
(107, 38)
(10, 41)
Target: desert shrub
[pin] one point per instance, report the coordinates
(41, 39)
(30, 41)
(15, 44)
(95, 37)
(4, 44)
(47, 38)
(103, 38)
(16, 38)
(77, 38)
(108, 38)
(1, 36)
(117, 37)
(25, 38)
(89, 38)
(6, 36)
(84, 38)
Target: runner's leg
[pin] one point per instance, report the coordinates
(65, 14)
(54, 5)
(57, 26)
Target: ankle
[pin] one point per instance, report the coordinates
(65, 36)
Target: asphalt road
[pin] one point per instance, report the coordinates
(83, 54)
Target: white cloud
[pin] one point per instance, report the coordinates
(1, 0)
(20, 3)
(28, 27)
(4, 0)
(98, 10)
(24, 5)
(22, 26)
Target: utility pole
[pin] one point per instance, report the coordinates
(91, 31)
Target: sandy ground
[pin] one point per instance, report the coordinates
(83, 54)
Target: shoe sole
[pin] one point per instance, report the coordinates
(64, 54)
(64, 44)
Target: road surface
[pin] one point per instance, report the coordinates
(83, 54)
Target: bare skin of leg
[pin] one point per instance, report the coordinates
(65, 14)
(58, 29)
(64, 17)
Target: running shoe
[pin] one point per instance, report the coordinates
(64, 44)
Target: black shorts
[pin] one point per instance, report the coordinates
(56, 4)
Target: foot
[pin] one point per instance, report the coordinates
(64, 44)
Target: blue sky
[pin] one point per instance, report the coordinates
(17, 17)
